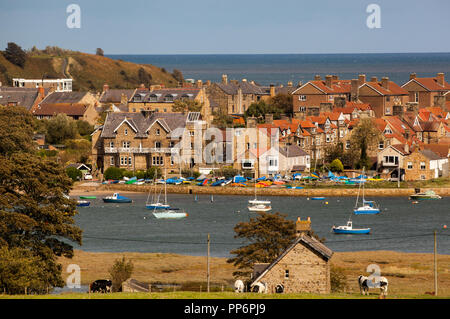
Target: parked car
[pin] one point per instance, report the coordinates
(87, 176)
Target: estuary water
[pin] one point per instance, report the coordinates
(401, 226)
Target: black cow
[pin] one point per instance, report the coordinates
(101, 285)
(364, 285)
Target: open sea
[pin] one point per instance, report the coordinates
(401, 226)
(268, 69)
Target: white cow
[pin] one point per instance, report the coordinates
(382, 283)
(259, 287)
(239, 286)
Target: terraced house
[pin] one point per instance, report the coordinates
(138, 141)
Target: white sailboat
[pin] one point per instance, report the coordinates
(257, 201)
(155, 203)
(367, 206)
(257, 205)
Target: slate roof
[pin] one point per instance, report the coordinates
(231, 88)
(25, 98)
(141, 123)
(292, 151)
(115, 95)
(64, 97)
(159, 95)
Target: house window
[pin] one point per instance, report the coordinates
(123, 161)
(410, 165)
(126, 144)
(388, 98)
(192, 133)
(381, 145)
(347, 145)
(422, 177)
(302, 97)
(423, 166)
(125, 131)
(172, 161)
(171, 144)
(157, 144)
(341, 133)
(111, 144)
(328, 138)
(330, 97)
(129, 161)
(157, 131)
(302, 108)
(286, 274)
(388, 110)
(153, 98)
(273, 162)
(157, 160)
(248, 146)
(169, 98)
(391, 159)
(416, 97)
(111, 161)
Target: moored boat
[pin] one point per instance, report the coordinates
(169, 214)
(117, 198)
(317, 198)
(348, 229)
(83, 203)
(259, 208)
(428, 194)
(88, 197)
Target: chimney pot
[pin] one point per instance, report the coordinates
(412, 76)
(361, 79)
(317, 78)
(105, 87)
(385, 82)
(328, 80)
(373, 79)
(441, 79)
(289, 84)
(224, 79)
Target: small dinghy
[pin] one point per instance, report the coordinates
(259, 208)
(83, 203)
(348, 229)
(116, 198)
(169, 214)
(88, 197)
(317, 198)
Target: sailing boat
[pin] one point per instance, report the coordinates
(257, 201)
(155, 203)
(368, 206)
(257, 205)
(168, 212)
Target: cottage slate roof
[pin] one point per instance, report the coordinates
(64, 97)
(430, 154)
(20, 97)
(141, 122)
(292, 151)
(308, 241)
(231, 88)
(115, 95)
(159, 95)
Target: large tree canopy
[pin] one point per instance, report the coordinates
(35, 215)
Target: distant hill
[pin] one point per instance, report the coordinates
(89, 71)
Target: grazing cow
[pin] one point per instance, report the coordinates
(363, 282)
(239, 286)
(259, 288)
(101, 285)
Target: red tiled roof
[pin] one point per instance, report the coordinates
(393, 88)
(52, 109)
(358, 105)
(337, 86)
(432, 84)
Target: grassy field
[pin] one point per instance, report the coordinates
(410, 275)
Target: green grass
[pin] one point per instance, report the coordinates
(214, 295)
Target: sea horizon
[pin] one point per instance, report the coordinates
(296, 67)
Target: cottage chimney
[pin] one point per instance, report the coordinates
(335, 77)
(407, 148)
(317, 77)
(385, 82)
(299, 84)
(208, 83)
(252, 82)
(412, 76)
(303, 226)
(407, 133)
(105, 87)
(440, 79)
(272, 90)
(328, 80)
(41, 92)
(373, 79)
(224, 79)
(361, 79)
(354, 89)
(244, 80)
(289, 84)
(199, 84)
(268, 118)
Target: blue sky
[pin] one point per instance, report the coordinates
(231, 26)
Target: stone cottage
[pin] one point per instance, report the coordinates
(304, 267)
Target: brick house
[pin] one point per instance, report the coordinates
(427, 91)
(304, 267)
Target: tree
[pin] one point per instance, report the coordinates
(35, 215)
(14, 54)
(114, 173)
(74, 173)
(17, 123)
(269, 235)
(336, 166)
(144, 77)
(99, 51)
(120, 272)
(282, 102)
(364, 136)
(60, 128)
(84, 128)
(186, 105)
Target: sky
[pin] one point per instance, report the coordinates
(228, 26)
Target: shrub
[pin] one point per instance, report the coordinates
(120, 272)
(74, 173)
(338, 279)
(113, 173)
(336, 166)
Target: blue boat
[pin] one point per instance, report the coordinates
(83, 203)
(116, 198)
(348, 229)
(318, 198)
(157, 206)
(368, 207)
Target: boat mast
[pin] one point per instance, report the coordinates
(165, 185)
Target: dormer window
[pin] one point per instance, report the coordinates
(169, 98)
(387, 130)
(137, 98)
(153, 98)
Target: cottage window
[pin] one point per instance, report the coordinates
(157, 160)
(286, 274)
(153, 98)
(172, 161)
(157, 131)
(111, 144)
(169, 98)
(410, 165)
(192, 133)
(171, 144)
(123, 160)
(328, 138)
(416, 97)
(381, 145)
(125, 131)
(129, 161)
(302, 108)
(111, 162)
(422, 177)
(347, 145)
(302, 97)
(126, 144)
(423, 166)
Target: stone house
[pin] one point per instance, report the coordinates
(28, 98)
(138, 141)
(304, 267)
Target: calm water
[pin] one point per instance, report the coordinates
(131, 227)
(281, 68)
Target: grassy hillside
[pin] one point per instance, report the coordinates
(89, 71)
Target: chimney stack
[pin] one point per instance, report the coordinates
(385, 82)
(199, 84)
(41, 92)
(412, 76)
(335, 77)
(373, 79)
(208, 83)
(328, 80)
(224, 79)
(303, 226)
(289, 84)
(272, 90)
(440, 79)
(105, 87)
(361, 79)
(354, 90)
(317, 77)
